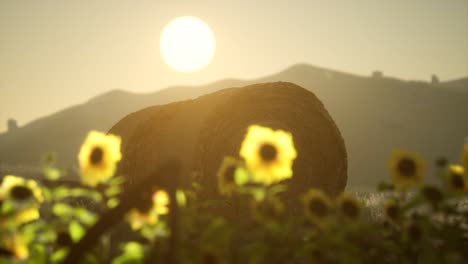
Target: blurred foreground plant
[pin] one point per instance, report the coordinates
(252, 222)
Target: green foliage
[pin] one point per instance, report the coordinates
(132, 253)
(76, 231)
(255, 224)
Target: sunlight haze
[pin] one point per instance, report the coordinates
(55, 54)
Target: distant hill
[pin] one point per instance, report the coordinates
(374, 114)
(460, 85)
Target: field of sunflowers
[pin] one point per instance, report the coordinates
(100, 220)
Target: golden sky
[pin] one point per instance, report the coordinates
(54, 54)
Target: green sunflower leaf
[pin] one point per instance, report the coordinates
(62, 210)
(241, 176)
(85, 216)
(76, 231)
(51, 173)
(113, 190)
(59, 255)
(113, 202)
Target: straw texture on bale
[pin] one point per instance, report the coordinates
(200, 132)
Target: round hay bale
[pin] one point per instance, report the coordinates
(200, 132)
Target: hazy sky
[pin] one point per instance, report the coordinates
(57, 53)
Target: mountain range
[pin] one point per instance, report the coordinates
(375, 115)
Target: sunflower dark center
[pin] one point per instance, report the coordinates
(229, 174)
(318, 207)
(457, 181)
(96, 156)
(407, 167)
(350, 209)
(268, 152)
(20, 192)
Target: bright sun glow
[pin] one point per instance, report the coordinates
(187, 44)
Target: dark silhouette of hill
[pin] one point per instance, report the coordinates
(460, 85)
(374, 115)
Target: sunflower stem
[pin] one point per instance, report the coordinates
(172, 256)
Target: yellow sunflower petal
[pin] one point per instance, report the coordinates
(138, 219)
(161, 202)
(456, 178)
(27, 215)
(16, 245)
(36, 190)
(9, 182)
(98, 157)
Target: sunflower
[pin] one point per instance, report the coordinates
(317, 207)
(407, 169)
(20, 190)
(392, 210)
(98, 157)
(349, 206)
(138, 217)
(268, 154)
(456, 178)
(227, 175)
(24, 196)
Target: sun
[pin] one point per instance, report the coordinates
(187, 44)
